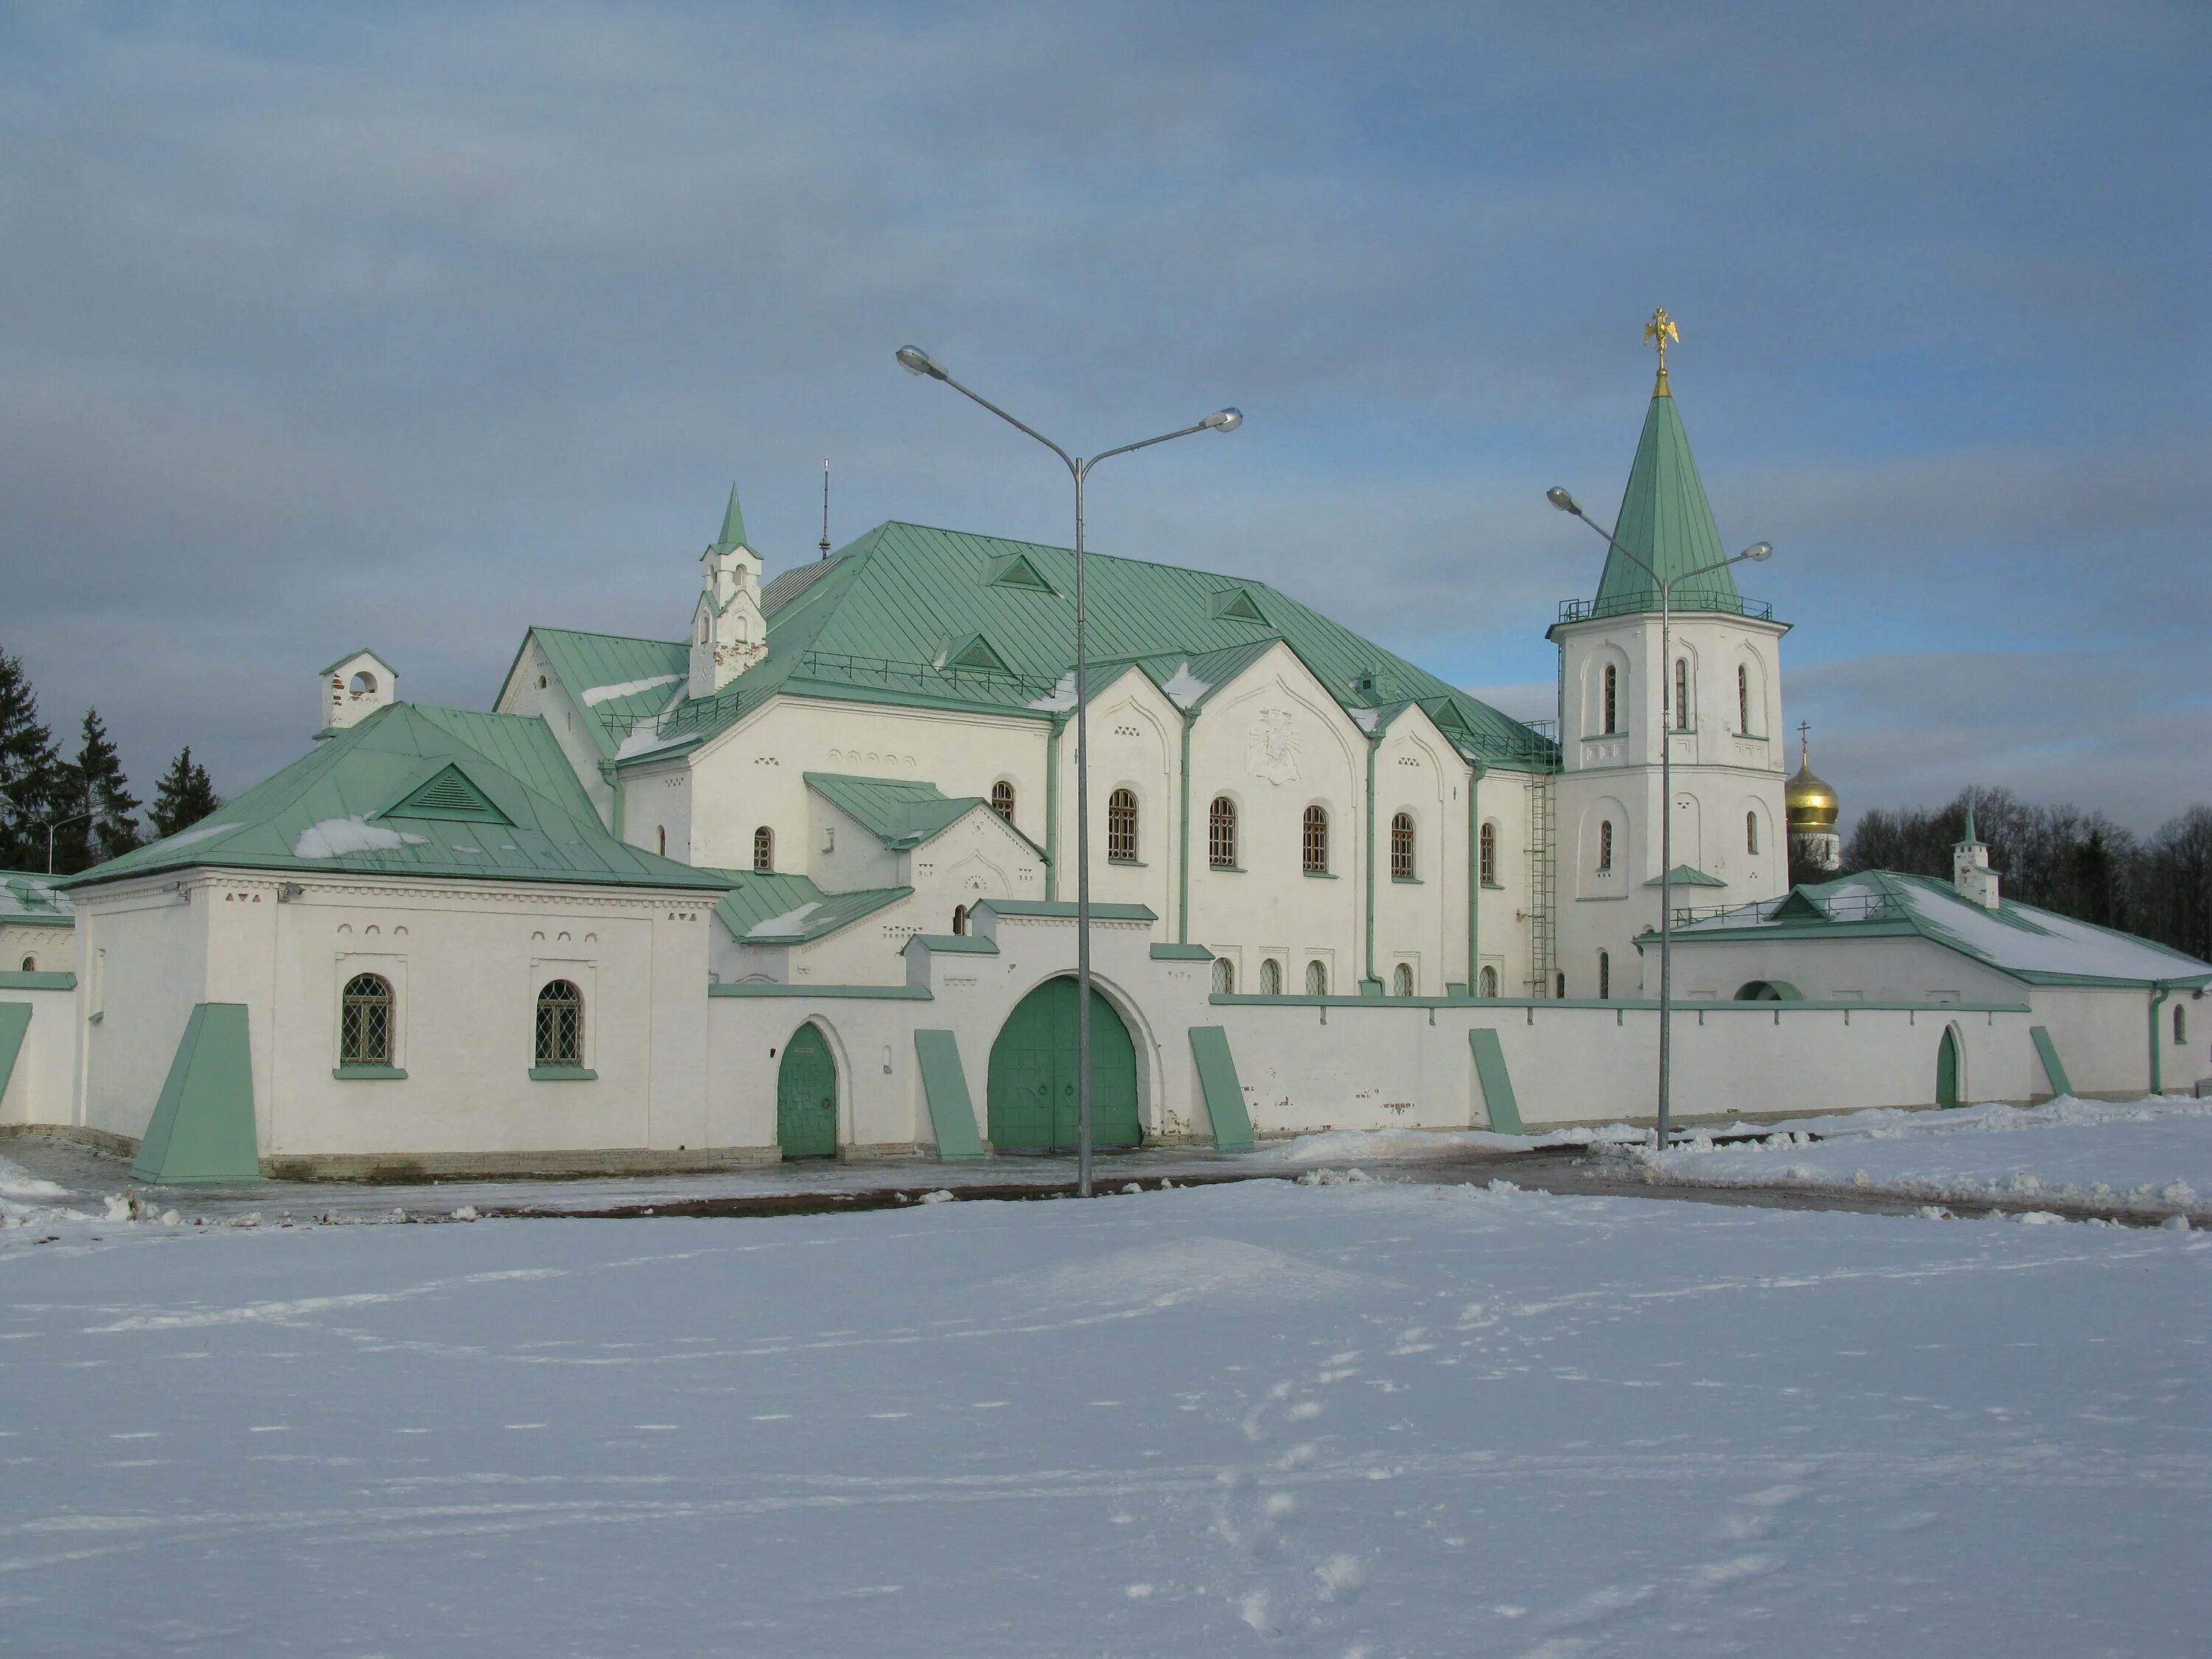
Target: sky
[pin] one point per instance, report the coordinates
(411, 327)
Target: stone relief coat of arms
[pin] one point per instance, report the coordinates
(1271, 747)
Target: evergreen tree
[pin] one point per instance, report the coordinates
(184, 795)
(30, 771)
(96, 795)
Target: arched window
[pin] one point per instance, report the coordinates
(1271, 977)
(702, 628)
(1605, 845)
(1225, 976)
(764, 848)
(1221, 834)
(30, 964)
(1604, 974)
(1486, 984)
(1316, 978)
(1317, 841)
(1751, 832)
(1611, 699)
(1560, 985)
(1681, 721)
(2180, 1024)
(363, 684)
(1002, 799)
(1489, 855)
(560, 1024)
(960, 919)
(1122, 827)
(660, 838)
(1402, 981)
(1743, 699)
(365, 1021)
(1401, 847)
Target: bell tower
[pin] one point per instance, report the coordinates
(729, 633)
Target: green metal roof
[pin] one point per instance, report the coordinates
(618, 679)
(1666, 520)
(733, 526)
(521, 745)
(879, 621)
(1687, 875)
(339, 808)
(2032, 944)
(27, 900)
(768, 908)
(1065, 908)
(332, 668)
(897, 812)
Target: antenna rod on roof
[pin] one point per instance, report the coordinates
(825, 506)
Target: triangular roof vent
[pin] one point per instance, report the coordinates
(976, 652)
(450, 794)
(1237, 604)
(1016, 570)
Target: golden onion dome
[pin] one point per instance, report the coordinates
(1811, 803)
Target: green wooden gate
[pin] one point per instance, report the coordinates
(807, 1096)
(1947, 1069)
(1032, 1104)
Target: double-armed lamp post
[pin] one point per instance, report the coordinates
(1758, 552)
(915, 360)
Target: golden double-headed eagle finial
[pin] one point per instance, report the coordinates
(1659, 331)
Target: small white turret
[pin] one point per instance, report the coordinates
(1972, 878)
(353, 687)
(729, 633)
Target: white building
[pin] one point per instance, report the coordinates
(799, 882)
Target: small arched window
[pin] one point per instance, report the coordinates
(1751, 832)
(1611, 699)
(1122, 827)
(764, 848)
(660, 838)
(1317, 841)
(1605, 845)
(1486, 984)
(560, 1024)
(365, 1021)
(1401, 847)
(1604, 974)
(1743, 699)
(1402, 981)
(30, 964)
(1560, 985)
(1271, 977)
(2180, 1024)
(1224, 977)
(1221, 834)
(1316, 978)
(702, 628)
(1002, 799)
(1489, 856)
(364, 685)
(960, 919)
(1680, 721)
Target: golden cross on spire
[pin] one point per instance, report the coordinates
(1658, 331)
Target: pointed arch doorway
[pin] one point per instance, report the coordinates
(1947, 1068)
(1031, 1102)
(806, 1096)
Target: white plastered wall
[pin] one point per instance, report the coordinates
(533, 688)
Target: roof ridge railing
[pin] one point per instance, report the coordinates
(1574, 611)
(1862, 905)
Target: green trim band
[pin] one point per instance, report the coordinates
(368, 1073)
(40, 980)
(563, 1074)
(888, 992)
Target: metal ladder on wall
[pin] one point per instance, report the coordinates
(1543, 883)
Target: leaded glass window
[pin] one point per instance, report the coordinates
(764, 848)
(1002, 799)
(1225, 976)
(560, 1024)
(1221, 833)
(1316, 978)
(1122, 827)
(1401, 847)
(1317, 841)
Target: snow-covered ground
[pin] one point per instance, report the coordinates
(2149, 1158)
(1342, 1417)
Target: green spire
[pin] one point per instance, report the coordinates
(1968, 838)
(733, 526)
(1665, 521)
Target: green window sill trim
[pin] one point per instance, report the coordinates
(1493, 887)
(562, 1074)
(1321, 875)
(1127, 864)
(1406, 881)
(368, 1073)
(1225, 869)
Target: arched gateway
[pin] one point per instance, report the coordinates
(1032, 1105)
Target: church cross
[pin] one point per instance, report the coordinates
(1804, 742)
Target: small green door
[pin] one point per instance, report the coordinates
(1032, 1105)
(807, 1096)
(1947, 1069)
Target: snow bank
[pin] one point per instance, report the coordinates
(1411, 1146)
(2143, 1158)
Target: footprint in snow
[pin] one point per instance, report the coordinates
(1772, 1497)
(1714, 1574)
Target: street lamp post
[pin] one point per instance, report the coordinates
(50, 825)
(1758, 552)
(915, 360)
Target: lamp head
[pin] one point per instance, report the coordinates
(1225, 420)
(1564, 503)
(1758, 552)
(914, 361)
